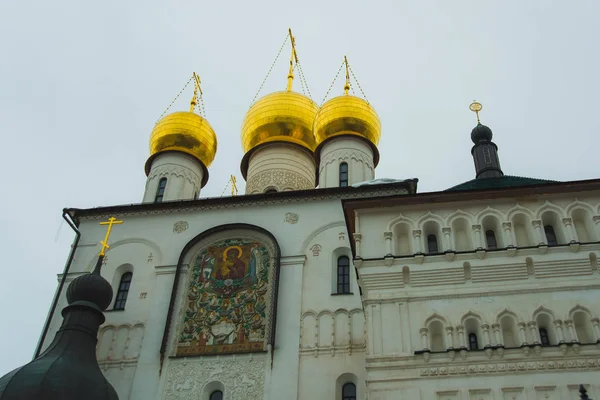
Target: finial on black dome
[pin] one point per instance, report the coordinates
(68, 368)
(485, 152)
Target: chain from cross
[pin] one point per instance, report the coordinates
(111, 221)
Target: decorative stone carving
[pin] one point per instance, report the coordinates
(180, 226)
(242, 377)
(278, 180)
(342, 236)
(291, 218)
(316, 249)
(150, 257)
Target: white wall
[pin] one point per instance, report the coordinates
(351, 150)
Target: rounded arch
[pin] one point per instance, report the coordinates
(316, 232)
(543, 310)
(519, 209)
(487, 212)
(579, 308)
(429, 217)
(471, 314)
(400, 219)
(343, 379)
(578, 204)
(186, 255)
(435, 317)
(548, 206)
(341, 251)
(506, 312)
(459, 214)
(156, 252)
(324, 312)
(212, 387)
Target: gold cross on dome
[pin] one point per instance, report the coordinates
(111, 221)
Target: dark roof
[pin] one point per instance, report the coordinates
(499, 182)
(365, 189)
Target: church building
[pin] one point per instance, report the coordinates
(322, 282)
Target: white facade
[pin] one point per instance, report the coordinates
(320, 338)
(182, 173)
(353, 151)
(421, 309)
(281, 167)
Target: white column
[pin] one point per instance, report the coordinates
(447, 239)
(522, 334)
(596, 325)
(508, 237)
(597, 225)
(424, 338)
(460, 330)
(497, 335)
(571, 330)
(418, 244)
(449, 338)
(559, 331)
(286, 357)
(486, 335)
(570, 234)
(535, 334)
(388, 243)
(538, 232)
(357, 240)
(478, 242)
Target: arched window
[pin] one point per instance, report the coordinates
(271, 190)
(123, 291)
(343, 174)
(550, 235)
(160, 191)
(473, 345)
(343, 275)
(490, 239)
(432, 244)
(216, 395)
(544, 337)
(349, 391)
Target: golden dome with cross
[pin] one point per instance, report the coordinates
(348, 115)
(186, 132)
(284, 116)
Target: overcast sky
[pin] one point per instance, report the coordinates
(83, 82)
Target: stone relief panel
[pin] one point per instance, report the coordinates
(342, 330)
(513, 394)
(119, 343)
(481, 394)
(279, 180)
(242, 377)
(546, 393)
(229, 297)
(448, 395)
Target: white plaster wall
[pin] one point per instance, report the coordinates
(402, 295)
(152, 244)
(354, 151)
(280, 166)
(184, 177)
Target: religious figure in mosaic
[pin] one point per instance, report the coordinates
(228, 297)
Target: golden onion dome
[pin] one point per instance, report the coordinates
(348, 115)
(186, 132)
(280, 117)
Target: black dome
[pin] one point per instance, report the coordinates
(92, 288)
(481, 133)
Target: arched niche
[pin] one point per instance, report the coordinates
(225, 300)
